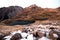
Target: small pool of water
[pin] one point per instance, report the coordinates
(19, 22)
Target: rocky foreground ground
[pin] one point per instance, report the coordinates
(46, 30)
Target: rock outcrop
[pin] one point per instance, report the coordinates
(9, 12)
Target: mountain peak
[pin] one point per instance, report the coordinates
(34, 5)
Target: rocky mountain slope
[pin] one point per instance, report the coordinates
(31, 13)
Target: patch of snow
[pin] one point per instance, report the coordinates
(30, 37)
(23, 39)
(7, 37)
(24, 34)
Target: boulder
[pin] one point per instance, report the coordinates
(16, 36)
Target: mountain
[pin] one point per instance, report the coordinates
(31, 13)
